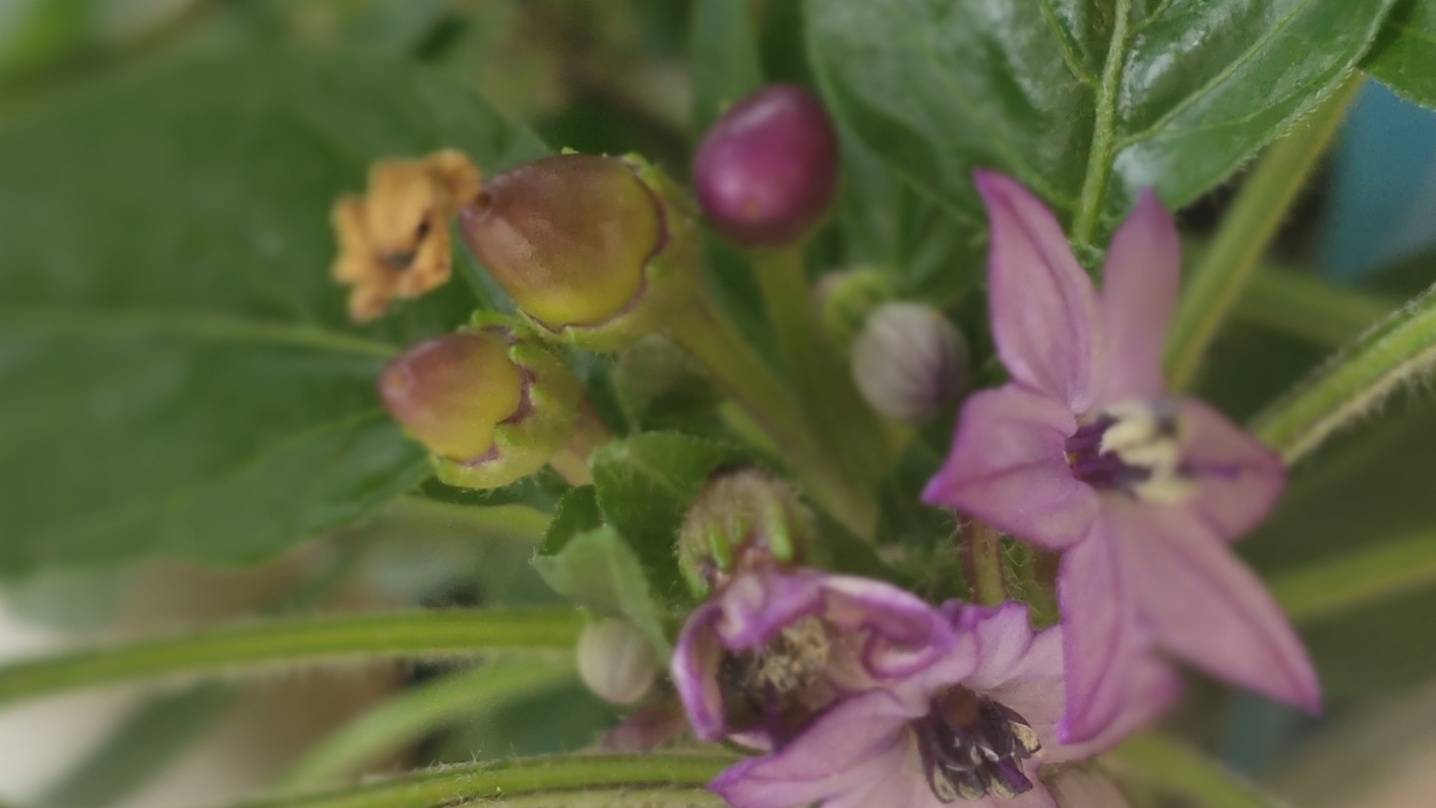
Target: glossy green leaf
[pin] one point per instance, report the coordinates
(1057, 92)
(180, 376)
(1404, 56)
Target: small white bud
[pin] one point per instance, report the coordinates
(909, 362)
(616, 662)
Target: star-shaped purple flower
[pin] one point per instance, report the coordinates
(975, 727)
(1087, 453)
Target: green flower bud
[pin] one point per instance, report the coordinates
(616, 662)
(490, 406)
(742, 519)
(596, 251)
(847, 297)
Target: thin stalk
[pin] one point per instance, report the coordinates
(1174, 769)
(558, 781)
(1354, 382)
(706, 333)
(1309, 308)
(1217, 283)
(406, 718)
(850, 432)
(299, 641)
(984, 560)
(1103, 151)
(1370, 575)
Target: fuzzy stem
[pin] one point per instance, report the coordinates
(1217, 283)
(468, 696)
(554, 781)
(1355, 381)
(984, 561)
(293, 642)
(1369, 575)
(1103, 151)
(589, 433)
(706, 333)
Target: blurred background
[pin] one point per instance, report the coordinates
(611, 77)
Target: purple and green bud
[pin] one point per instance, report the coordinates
(490, 406)
(767, 171)
(909, 362)
(742, 519)
(594, 250)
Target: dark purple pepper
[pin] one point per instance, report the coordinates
(767, 170)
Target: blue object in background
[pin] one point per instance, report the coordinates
(1383, 191)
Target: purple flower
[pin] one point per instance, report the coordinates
(1087, 453)
(975, 726)
(776, 646)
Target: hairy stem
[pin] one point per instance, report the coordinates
(984, 560)
(1217, 283)
(1355, 381)
(466, 696)
(291, 642)
(559, 781)
(1103, 151)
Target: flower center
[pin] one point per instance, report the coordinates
(1133, 447)
(973, 747)
(780, 686)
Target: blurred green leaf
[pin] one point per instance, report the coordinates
(180, 375)
(724, 58)
(592, 564)
(1180, 775)
(940, 87)
(1404, 56)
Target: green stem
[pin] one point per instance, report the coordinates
(1306, 307)
(706, 333)
(1355, 381)
(589, 433)
(1174, 769)
(559, 781)
(1103, 151)
(409, 716)
(1248, 228)
(289, 642)
(1351, 581)
(984, 558)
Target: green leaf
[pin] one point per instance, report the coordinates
(181, 378)
(1404, 56)
(294, 642)
(1183, 775)
(1061, 92)
(644, 485)
(724, 55)
(1368, 574)
(592, 564)
(588, 781)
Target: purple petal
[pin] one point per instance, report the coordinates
(1008, 467)
(1139, 294)
(861, 742)
(758, 605)
(1020, 668)
(1239, 478)
(1094, 588)
(1086, 788)
(1044, 309)
(907, 634)
(695, 673)
(1207, 607)
(1153, 688)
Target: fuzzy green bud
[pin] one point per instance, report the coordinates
(490, 406)
(595, 251)
(742, 519)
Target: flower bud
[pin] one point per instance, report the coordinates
(767, 170)
(742, 519)
(846, 299)
(490, 406)
(594, 250)
(616, 662)
(909, 362)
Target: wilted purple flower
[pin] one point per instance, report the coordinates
(975, 726)
(775, 646)
(768, 169)
(1087, 453)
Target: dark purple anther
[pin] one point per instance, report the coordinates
(766, 171)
